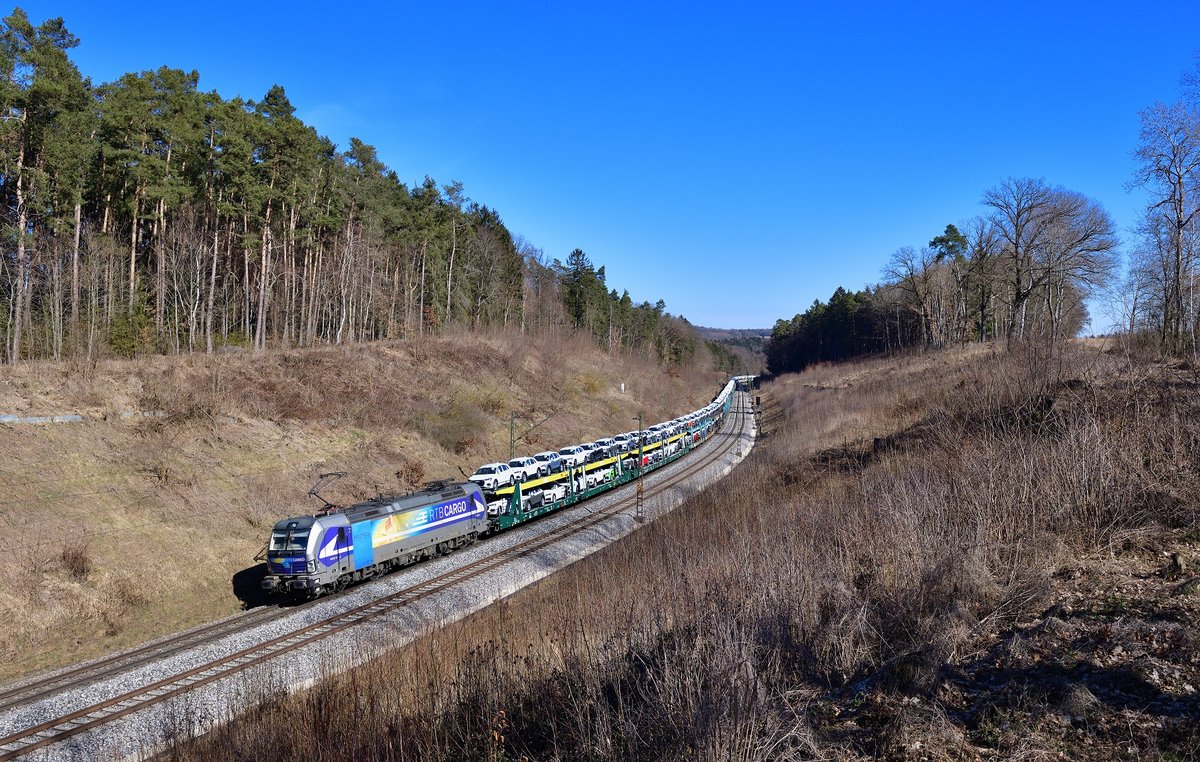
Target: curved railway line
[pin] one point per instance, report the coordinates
(21, 694)
(57, 729)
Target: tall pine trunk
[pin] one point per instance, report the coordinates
(160, 273)
(133, 242)
(75, 263)
(18, 318)
(260, 330)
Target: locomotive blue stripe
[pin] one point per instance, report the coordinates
(442, 522)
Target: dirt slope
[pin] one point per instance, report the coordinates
(125, 528)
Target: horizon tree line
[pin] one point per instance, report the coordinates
(1020, 272)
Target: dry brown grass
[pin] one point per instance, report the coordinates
(133, 528)
(895, 521)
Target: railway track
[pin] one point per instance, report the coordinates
(83, 674)
(55, 730)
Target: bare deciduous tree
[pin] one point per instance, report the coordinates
(1051, 239)
(1169, 168)
(912, 270)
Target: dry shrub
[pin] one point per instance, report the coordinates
(411, 472)
(488, 398)
(922, 731)
(121, 594)
(75, 560)
(590, 384)
(457, 426)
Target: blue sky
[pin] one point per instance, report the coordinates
(736, 162)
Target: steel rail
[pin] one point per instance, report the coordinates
(28, 692)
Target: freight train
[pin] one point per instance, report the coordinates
(338, 546)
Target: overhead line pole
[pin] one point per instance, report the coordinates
(639, 511)
(512, 435)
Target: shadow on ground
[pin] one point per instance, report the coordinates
(247, 586)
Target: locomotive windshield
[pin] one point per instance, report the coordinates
(289, 539)
(291, 534)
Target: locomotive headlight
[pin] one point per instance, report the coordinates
(312, 565)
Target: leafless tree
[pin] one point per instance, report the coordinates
(1169, 167)
(912, 270)
(1051, 239)
(1078, 254)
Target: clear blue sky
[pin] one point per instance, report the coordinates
(736, 162)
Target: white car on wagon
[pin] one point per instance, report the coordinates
(525, 468)
(493, 476)
(573, 456)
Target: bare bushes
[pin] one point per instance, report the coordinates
(185, 394)
(457, 426)
(1010, 475)
(893, 519)
(1090, 457)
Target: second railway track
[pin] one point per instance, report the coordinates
(54, 730)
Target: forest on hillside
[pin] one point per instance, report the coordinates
(146, 215)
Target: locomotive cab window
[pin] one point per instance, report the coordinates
(289, 539)
(291, 534)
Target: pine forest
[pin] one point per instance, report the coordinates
(145, 215)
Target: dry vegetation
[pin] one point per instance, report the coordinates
(955, 556)
(120, 530)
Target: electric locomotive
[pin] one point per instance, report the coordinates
(336, 547)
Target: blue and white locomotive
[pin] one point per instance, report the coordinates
(312, 555)
(326, 552)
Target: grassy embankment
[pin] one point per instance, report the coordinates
(125, 529)
(957, 556)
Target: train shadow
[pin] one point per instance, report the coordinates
(247, 587)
